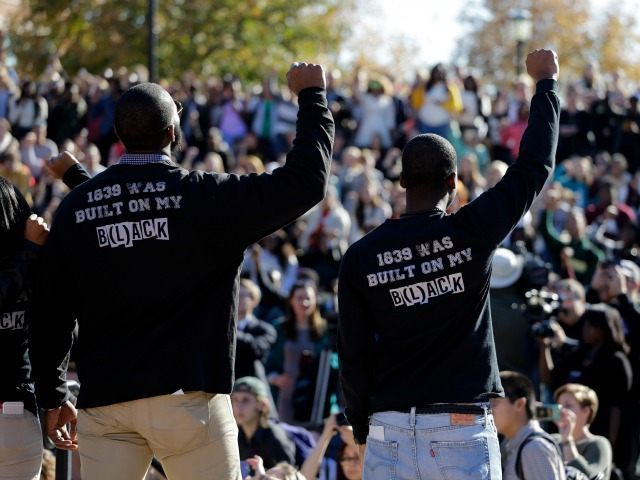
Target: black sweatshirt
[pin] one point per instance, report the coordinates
(16, 272)
(415, 325)
(147, 258)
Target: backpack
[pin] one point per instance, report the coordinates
(571, 473)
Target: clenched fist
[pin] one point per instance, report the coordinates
(543, 64)
(302, 75)
(58, 165)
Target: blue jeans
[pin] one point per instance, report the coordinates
(406, 446)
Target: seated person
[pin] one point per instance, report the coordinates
(527, 445)
(589, 453)
(257, 435)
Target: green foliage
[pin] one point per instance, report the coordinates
(571, 27)
(249, 38)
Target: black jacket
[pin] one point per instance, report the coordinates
(253, 344)
(16, 277)
(147, 257)
(415, 327)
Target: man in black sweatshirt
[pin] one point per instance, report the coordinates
(146, 257)
(418, 362)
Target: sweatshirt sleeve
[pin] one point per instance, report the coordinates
(595, 458)
(257, 205)
(75, 175)
(497, 211)
(355, 345)
(52, 324)
(14, 271)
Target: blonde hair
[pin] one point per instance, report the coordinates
(585, 396)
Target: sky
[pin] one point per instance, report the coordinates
(433, 24)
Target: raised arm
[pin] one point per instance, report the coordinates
(497, 211)
(257, 205)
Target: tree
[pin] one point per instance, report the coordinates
(570, 27)
(249, 38)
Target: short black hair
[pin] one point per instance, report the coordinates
(142, 117)
(427, 160)
(517, 386)
(14, 211)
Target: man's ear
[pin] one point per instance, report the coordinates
(521, 404)
(171, 132)
(403, 182)
(451, 181)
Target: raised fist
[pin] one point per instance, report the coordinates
(542, 64)
(302, 75)
(58, 165)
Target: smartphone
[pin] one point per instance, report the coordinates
(245, 469)
(341, 419)
(548, 412)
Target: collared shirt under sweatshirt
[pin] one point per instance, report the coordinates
(147, 258)
(415, 327)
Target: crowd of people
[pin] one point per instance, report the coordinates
(579, 241)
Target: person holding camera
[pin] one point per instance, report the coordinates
(417, 356)
(589, 453)
(600, 362)
(530, 452)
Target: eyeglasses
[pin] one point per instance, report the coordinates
(350, 460)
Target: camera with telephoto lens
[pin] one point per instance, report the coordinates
(540, 308)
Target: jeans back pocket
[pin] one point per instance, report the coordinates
(464, 460)
(380, 460)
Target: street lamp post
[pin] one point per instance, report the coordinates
(521, 30)
(151, 24)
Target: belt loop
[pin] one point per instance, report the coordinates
(412, 417)
(485, 407)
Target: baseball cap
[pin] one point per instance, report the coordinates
(251, 385)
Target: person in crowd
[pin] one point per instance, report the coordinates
(589, 453)
(254, 337)
(292, 363)
(21, 238)
(435, 114)
(29, 110)
(282, 471)
(529, 452)
(413, 299)
(600, 363)
(127, 229)
(257, 435)
(572, 253)
(349, 464)
(13, 169)
(376, 113)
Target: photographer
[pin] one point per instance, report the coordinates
(581, 449)
(599, 362)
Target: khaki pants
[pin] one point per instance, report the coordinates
(193, 435)
(20, 447)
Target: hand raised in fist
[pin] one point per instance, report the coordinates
(302, 75)
(58, 165)
(543, 64)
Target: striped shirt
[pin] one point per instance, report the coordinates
(142, 158)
